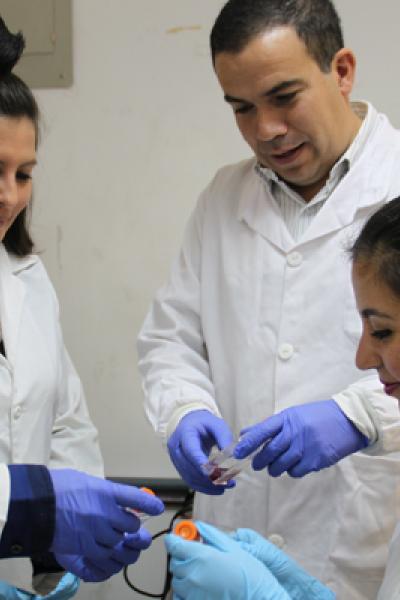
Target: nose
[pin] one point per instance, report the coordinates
(269, 125)
(8, 191)
(367, 357)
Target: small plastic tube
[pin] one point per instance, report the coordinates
(139, 513)
(187, 530)
(223, 466)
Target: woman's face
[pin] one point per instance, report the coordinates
(379, 308)
(17, 159)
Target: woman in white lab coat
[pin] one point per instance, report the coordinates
(269, 574)
(44, 421)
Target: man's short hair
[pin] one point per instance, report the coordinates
(316, 23)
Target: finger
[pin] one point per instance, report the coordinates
(125, 555)
(92, 572)
(138, 541)
(195, 478)
(257, 435)
(179, 549)
(180, 587)
(132, 497)
(192, 450)
(271, 451)
(221, 434)
(216, 538)
(287, 460)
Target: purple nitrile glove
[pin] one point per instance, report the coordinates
(301, 439)
(190, 444)
(125, 553)
(90, 513)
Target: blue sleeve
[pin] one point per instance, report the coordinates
(31, 514)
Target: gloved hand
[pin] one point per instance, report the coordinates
(91, 519)
(301, 439)
(218, 569)
(190, 444)
(298, 583)
(125, 553)
(67, 588)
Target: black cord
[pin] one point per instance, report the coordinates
(182, 512)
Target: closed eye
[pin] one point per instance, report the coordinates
(381, 334)
(23, 176)
(285, 98)
(242, 109)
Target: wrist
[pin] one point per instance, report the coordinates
(31, 514)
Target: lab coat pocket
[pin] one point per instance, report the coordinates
(367, 516)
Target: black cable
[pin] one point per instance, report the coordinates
(186, 508)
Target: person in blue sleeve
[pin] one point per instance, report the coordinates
(55, 506)
(247, 566)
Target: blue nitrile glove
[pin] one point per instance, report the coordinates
(67, 587)
(297, 582)
(301, 439)
(218, 569)
(91, 519)
(190, 444)
(125, 553)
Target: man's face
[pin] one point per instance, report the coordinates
(296, 118)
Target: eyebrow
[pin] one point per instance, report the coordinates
(28, 163)
(275, 90)
(372, 312)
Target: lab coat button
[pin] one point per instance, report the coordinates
(16, 549)
(294, 259)
(277, 540)
(285, 351)
(17, 412)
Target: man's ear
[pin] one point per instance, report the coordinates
(344, 69)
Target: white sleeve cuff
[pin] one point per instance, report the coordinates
(5, 487)
(375, 414)
(183, 410)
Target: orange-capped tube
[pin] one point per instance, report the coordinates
(147, 490)
(188, 531)
(138, 513)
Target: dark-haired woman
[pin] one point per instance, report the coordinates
(50, 511)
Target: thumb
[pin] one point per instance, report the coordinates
(180, 549)
(216, 538)
(221, 433)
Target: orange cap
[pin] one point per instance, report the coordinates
(147, 490)
(187, 530)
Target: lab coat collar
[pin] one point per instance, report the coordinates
(365, 186)
(12, 296)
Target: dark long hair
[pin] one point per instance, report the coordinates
(16, 101)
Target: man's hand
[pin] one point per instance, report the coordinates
(190, 444)
(301, 439)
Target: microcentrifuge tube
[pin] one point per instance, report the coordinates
(223, 466)
(187, 530)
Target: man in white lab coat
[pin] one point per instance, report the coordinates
(258, 317)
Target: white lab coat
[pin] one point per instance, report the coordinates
(252, 322)
(390, 589)
(43, 413)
